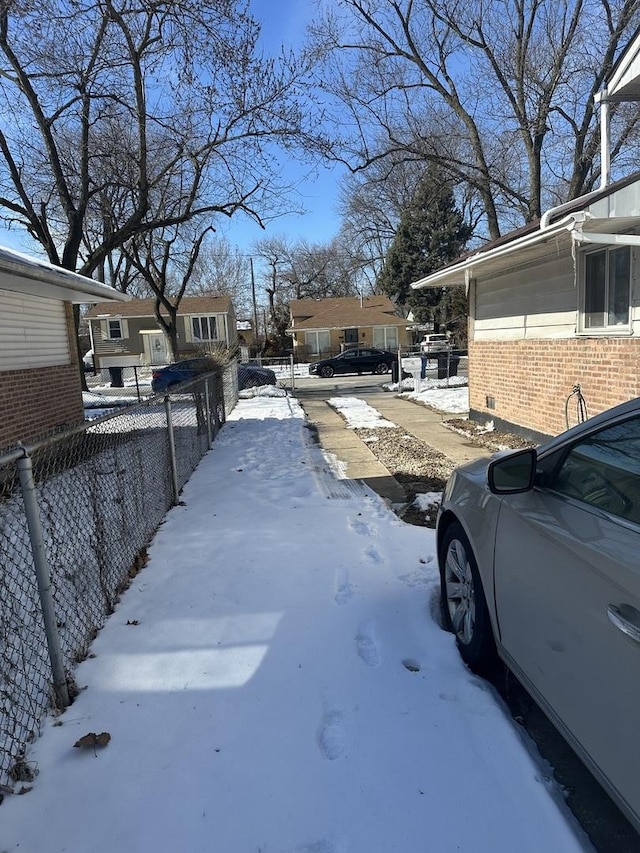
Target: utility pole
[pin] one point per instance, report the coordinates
(255, 306)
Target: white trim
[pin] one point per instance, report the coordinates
(606, 239)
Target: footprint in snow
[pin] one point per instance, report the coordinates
(343, 588)
(366, 645)
(331, 738)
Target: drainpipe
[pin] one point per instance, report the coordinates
(605, 162)
(605, 143)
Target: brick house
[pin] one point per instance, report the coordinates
(322, 327)
(554, 305)
(40, 384)
(128, 334)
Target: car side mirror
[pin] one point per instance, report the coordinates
(514, 473)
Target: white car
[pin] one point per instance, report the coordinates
(539, 563)
(435, 343)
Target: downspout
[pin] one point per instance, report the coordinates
(602, 99)
(605, 162)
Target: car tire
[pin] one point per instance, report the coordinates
(326, 371)
(381, 367)
(464, 606)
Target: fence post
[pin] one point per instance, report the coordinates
(293, 375)
(43, 576)
(135, 376)
(207, 411)
(172, 451)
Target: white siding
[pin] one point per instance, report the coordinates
(33, 332)
(539, 301)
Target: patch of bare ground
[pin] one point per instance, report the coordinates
(491, 439)
(419, 468)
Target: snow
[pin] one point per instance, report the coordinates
(427, 500)
(447, 395)
(274, 680)
(358, 414)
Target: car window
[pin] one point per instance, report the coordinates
(603, 470)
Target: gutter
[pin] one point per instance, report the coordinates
(46, 273)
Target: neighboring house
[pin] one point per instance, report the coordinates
(327, 326)
(128, 334)
(40, 381)
(554, 305)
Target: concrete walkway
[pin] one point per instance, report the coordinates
(418, 420)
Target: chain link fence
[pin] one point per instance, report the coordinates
(76, 514)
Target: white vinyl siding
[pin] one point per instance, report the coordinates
(33, 332)
(539, 301)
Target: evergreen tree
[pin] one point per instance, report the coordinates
(430, 234)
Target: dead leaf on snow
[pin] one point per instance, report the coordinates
(92, 740)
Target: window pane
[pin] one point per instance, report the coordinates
(594, 295)
(391, 338)
(619, 280)
(604, 471)
(324, 341)
(195, 324)
(115, 330)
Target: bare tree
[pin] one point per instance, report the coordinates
(223, 270)
(301, 270)
(497, 92)
(111, 107)
(165, 261)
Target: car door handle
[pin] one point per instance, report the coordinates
(622, 623)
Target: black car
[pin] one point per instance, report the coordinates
(253, 376)
(363, 360)
(167, 378)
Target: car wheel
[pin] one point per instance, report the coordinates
(464, 606)
(382, 367)
(326, 371)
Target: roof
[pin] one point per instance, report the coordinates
(343, 313)
(612, 209)
(24, 274)
(146, 307)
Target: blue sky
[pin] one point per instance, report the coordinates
(283, 23)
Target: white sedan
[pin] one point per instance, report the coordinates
(539, 554)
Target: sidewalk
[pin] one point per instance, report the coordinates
(422, 422)
(273, 681)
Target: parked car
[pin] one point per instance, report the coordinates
(539, 556)
(434, 343)
(363, 360)
(167, 378)
(252, 376)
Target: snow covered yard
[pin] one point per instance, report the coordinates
(274, 681)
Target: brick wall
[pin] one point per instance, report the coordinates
(35, 402)
(530, 380)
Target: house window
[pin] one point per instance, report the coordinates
(385, 337)
(607, 288)
(317, 342)
(114, 328)
(204, 328)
